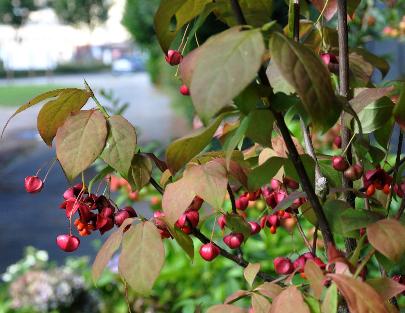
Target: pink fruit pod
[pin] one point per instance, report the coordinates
(33, 184)
(283, 266)
(254, 228)
(221, 221)
(67, 243)
(209, 251)
(173, 57)
(234, 240)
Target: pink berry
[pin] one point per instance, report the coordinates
(173, 57)
(242, 203)
(234, 240)
(67, 243)
(275, 184)
(337, 142)
(33, 184)
(221, 221)
(209, 251)
(273, 220)
(299, 263)
(291, 183)
(120, 217)
(254, 228)
(184, 90)
(339, 163)
(283, 266)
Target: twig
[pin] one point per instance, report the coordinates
(155, 184)
(314, 240)
(304, 237)
(232, 198)
(396, 168)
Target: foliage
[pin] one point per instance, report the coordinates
(15, 13)
(258, 177)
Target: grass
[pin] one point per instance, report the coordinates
(16, 95)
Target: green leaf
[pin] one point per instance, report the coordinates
(333, 210)
(378, 62)
(184, 241)
(219, 77)
(108, 249)
(356, 219)
(250, 272)
(237, 224)
(330, 303)
(182, 11)
(260, 127)
(142, 257)
(399, 109)
(208, 181)
(182, 150)
(235, 139)
(360, 297)
(387, 236)
(140, 171)
(304, 70)
(277, 81)
(54, 113)
(376, 114)
(248, 99)
(120, 146)
(34, 101)
(262, 174)
(80, 141)
(313, 304)
(360, 70)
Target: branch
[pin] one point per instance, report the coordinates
(232, 198)
(396, 168)
(155, 184)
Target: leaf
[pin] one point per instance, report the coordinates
(376, 114)
(356, 219)
(260, 304)
(289, 300)
(386, 287)
(176, 198)
(120, 146)
(225, 308)
(140, 171)
(238, 224)
(260, 127)
(378, 62)
(142, 257)
(54, 113)
(270, 290)
(184, 241)
(399, 109)
(102, 174)
(34, 101)
(182, 11)
(262, 174)
(80, 141)
(182, 150)
(250, 272)
(333, 209)
(239, 294)
(328, 11)
(388, 237)
(277, 81)
(235, 139)
(209, 181)
(315, 277)
(360, 297)
(330, 303)
(313, 304)
(304, 70)
(108, 249)
(219, 77)
(367, 96)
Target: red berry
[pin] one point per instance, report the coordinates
(339, 163)
(280, 196)
(308, 256)
(273, 229)
(386, 189)
(319, 262)
(242, 203)
(283, 266)
(370, 191)
(209, 251)
(234, 240)
(33, 184)
(221, 221)
(184, 90)
(273, 220)
(173, 57)
(67, 243)
(354, 172)
(254, 228)
(120, 217)
(69, 193)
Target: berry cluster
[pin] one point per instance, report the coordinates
(351, 172)
(400, 279)
(285, 266)
(174, 57)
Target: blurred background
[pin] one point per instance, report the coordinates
(48, 44)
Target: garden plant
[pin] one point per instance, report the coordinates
(251, 83)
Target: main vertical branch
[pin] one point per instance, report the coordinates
(344, 91)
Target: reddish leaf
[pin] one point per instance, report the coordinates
(360, 297)
(315, 277)
(388, 237)
(386, 287)
(270, 290)
(260, 304)
(289, 300)
(225, 308)
(108, 249)
(239, 294)
(120, 146)
(142, 257)
(54, 113)
(80, 141)
(399, 109)
(250, 272)
(329, 11)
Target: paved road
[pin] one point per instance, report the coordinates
(35, 220)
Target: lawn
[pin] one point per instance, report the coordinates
(16, 95)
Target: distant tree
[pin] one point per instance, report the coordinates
(89, 12)
(16, 12)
